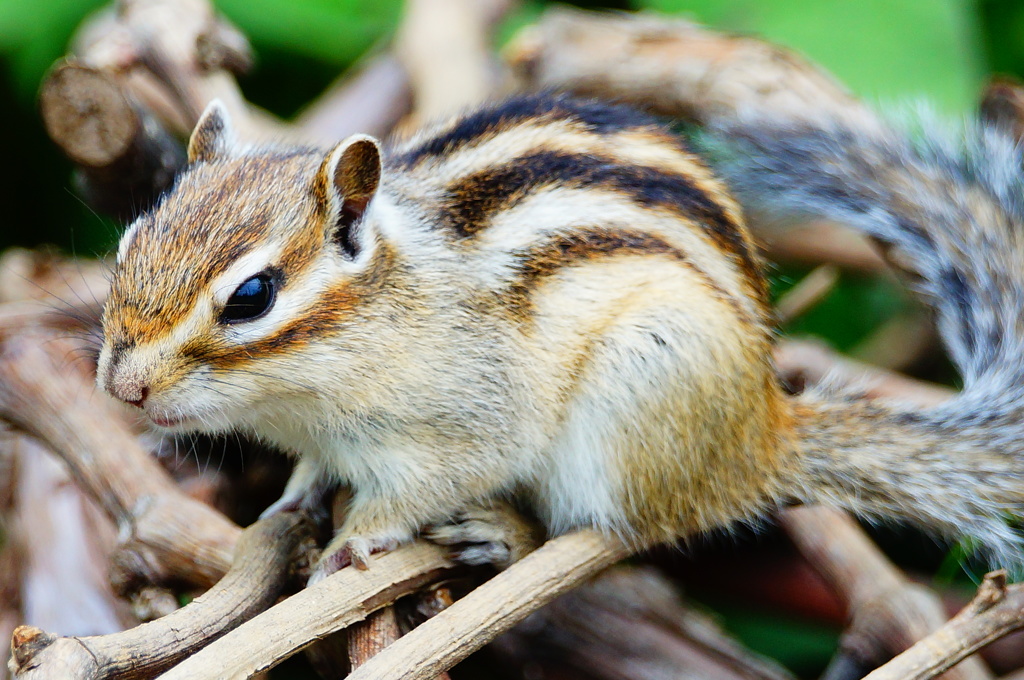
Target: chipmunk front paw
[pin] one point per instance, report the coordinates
(355, 550)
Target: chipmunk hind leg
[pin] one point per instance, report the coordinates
(673, 426)
(495, 532)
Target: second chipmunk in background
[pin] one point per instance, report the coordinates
(556, 300)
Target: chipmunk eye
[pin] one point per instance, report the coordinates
(251, 300)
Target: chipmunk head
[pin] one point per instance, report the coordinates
(251, 258)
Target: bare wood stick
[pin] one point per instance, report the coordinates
(444, 47)
(899, 342)
(818, 242)
(125, 157)
(332, 604)
(371, 101)
(367, 638)
(630, 623)
(805, 361)
(996, 610)
(66, 544)
(191, 50)
(889, 613)
(267, 552)
(494, 607)
(1002, 105)
(811, 290)
(169, 534)
(675, 67)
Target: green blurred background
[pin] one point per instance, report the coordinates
(892, 52)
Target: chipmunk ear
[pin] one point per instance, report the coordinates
(212, 136)
(348, 178)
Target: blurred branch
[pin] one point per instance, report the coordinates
(445, 48)
(803, 362)
(996, 610)
(630, 624)
(888, 612)
(675, 67)
(165, 534)
(370, 101)
(817, 242)
(811, 290)
(191, 53)
(65, 545)
(125, 157)
(900, 342)
(267, 553)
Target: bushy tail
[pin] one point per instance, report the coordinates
(952, 212)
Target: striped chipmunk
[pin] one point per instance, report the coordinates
(557, 301)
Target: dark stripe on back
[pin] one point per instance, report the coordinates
(595, 117)
(588, 244)
(470, 203)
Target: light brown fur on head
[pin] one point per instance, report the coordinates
(222, 210)
(234, 214)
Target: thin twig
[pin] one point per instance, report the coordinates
(494, 607)
(996, 610)
(811, 290)
(332, 604)
(165, 533)
(631, 624)
(267, 554)
(888, 612)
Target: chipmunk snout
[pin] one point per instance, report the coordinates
(129, 391)
(143, 393)
(124, 380)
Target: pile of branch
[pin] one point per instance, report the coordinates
(136, 527)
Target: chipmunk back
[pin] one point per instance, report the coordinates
(547, 298)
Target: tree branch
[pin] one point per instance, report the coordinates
(497, 605)
(169, 535)
(996, 610)
(889, 613)
(267, 554)
(336, 602)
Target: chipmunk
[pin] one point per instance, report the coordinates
(557, 300)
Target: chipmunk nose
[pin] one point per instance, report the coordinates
(123, 376)
(126, 388)
(143, 393)
(130, 394)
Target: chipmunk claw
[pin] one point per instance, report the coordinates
(353, 550)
